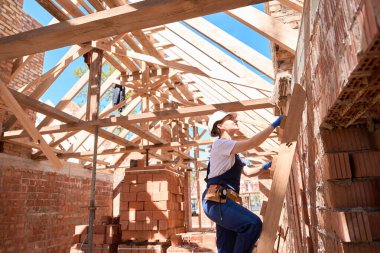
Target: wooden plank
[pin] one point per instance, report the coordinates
(28, 125)
(267, 26)
(115, 21)
(282, 170)
(293, 119)
(292, 4)
(53, 9)
(233, 45)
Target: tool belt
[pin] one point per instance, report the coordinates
(220, 193)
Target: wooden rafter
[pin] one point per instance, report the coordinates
(267, 26)
(28, 125)
(115, 21)
(233, 45)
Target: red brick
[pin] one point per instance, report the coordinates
(336, 166)
(128, 216)
(160, 215)
(153, 187)
(159, 196)
(75, 238)
(137, 235)
(128, 196)
(99, 229)
(144, 215)
(162, 224)
(99, 238)
(344, 140)
(356, 194)
(156, 205)
(144, 196)
(351, 226)
(106, 219)
(130, 179)
(138, 187)
(125, 187)
(143, 178)
(137, 206)
(151, 225)
(366, 164)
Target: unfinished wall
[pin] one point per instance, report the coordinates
(40, 207)
(14, 73)
(332, 199)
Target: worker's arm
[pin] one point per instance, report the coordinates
(256, 140)
(255, 171)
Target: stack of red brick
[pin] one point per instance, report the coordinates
(106, 237)
(193, 242)
(142, 248)
(151, 204)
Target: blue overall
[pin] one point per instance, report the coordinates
(237, 228)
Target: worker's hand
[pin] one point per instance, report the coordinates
(277, 122)
(267, 165)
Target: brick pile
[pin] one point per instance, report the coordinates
(151, 204)
(194, 242)
(106, 236)
(142, 248)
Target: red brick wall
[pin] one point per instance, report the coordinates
(40, 207)
(334, 185)
(13, 20)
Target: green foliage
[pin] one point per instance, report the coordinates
(81, 98)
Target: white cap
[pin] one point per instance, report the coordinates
(215, 117)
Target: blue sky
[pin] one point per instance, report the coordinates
(67, 78)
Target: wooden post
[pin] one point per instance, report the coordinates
(199, 197)
(94, 61)
(282, 171)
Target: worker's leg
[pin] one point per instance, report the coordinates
(225, 239)
(234, 217)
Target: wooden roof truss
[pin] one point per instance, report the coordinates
(177, 76)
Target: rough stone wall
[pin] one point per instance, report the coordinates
(13, 20)
(40, 207)
(332, 196)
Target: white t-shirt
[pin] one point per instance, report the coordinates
(221, 158)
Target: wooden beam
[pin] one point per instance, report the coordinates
(267, 26)
(253, 104)
(282, 170)
(93, 94)
(233, 45)
(28, 125)
(115, 21)
(292, 4)
(43, 108)
(142, 149)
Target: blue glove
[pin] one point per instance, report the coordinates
(267, 165)
(277, 122)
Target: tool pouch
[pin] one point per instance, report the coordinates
(216, 194)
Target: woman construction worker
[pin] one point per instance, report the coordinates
(237, 228)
